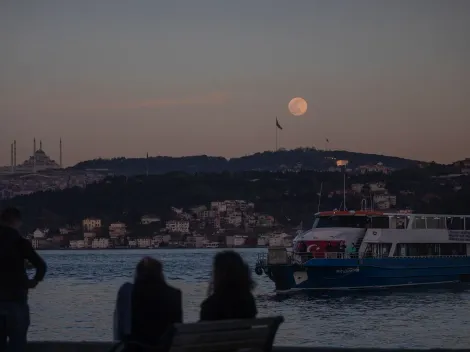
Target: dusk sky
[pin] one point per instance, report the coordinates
(123, 78)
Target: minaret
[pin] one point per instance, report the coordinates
(11, 159)
(14, 155)
(60, 150)
(40, 145)
(34, 155)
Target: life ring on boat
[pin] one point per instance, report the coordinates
(258, 270)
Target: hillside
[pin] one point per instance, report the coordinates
(290, 197)
(309, 158)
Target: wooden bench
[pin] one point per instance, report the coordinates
(226, 335)
(223, 335)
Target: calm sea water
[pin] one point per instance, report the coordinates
(76, 302)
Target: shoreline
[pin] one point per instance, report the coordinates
(133, 248)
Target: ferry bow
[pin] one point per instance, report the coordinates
(354, 250)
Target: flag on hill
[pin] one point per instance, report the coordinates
(278, 125)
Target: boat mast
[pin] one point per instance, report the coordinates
(364, 204)
(319, 197)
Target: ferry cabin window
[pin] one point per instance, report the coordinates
(467, 224)
(399, 222)
(429, 249)
(419, 223)
(378, 250)
(453, 249)
(380, 222)
(435, 222)
(416, 250)
(455, 223)
(341, 221)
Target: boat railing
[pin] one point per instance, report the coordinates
(368, 255)
(300, 257)
(424, 256)
(306, 256)
(265, 259)
(342, 255)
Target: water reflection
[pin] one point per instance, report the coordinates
(76, 302)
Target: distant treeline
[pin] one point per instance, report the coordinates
(310, 158)
(290, 197)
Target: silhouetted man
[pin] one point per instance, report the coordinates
(14, 282)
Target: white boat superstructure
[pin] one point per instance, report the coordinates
(388, 234)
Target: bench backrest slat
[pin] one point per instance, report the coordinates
(222, 336)
(224, 325)
(227, 335)
(248, 345)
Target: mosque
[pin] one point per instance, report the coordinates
(38, 161)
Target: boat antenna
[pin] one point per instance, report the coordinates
(364, 204)
(319, 197)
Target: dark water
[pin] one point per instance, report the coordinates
(77, 299)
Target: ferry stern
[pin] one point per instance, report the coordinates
(278, 265)
(292, 272)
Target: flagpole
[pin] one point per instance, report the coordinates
(275, 126)
(344, 188)
(147, 165)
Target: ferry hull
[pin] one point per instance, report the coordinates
(367, 274)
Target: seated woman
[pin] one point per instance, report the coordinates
(146, 309)
(230, 292)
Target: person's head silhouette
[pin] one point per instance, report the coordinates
(148, 270)
(230, 273)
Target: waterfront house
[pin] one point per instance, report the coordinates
(239, 240)
(149, 219)
(89, 224)
(100, 243)
(117, 229)
(144, 242)
(177, 226)
(40, 234)
(132, 243)
(89, 235)
(158, 240)
(77, 244)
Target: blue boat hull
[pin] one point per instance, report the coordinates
(371, 273)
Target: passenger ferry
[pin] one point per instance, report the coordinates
(354, 250)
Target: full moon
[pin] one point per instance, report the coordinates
(297, 106)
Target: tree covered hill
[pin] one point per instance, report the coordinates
(290, 197)
(309, 158)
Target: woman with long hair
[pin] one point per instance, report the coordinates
(230, 295)
(146, 309)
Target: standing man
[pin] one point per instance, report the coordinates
(14, 281)
(352, 251)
